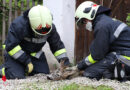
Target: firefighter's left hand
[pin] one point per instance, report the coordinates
(64, 63)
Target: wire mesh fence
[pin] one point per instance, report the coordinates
(9, 10)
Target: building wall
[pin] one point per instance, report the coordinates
(63, 18)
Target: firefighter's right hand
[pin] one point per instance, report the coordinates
(29, 67)
(82, 65)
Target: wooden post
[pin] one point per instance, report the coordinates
(33, 3)
(10, 12)
(22, 6)
(110, 4)
(40, 1)
(3, 25)
(16, 12)
(3, 29)
(101, 2)
(28, 4)
(82, 41)
(116, 7)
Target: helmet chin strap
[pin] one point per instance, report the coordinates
(89, 26)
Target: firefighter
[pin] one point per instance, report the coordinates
(110, 50)
(23, 46)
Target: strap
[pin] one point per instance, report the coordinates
(124, 60)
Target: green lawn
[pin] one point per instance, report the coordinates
(74, 86)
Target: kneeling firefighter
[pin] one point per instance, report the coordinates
(110, 50)
(23, 46)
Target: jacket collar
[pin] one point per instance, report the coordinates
(101, 11)
(25, 13)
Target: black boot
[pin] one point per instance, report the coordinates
(119, 71)
(108, 74)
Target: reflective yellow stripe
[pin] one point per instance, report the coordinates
(3, 71)
(127, 57)
(14, 50)
(91, 59)
(33, 54)
(3, 46)
(57, 53)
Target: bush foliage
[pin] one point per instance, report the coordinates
(128, 19)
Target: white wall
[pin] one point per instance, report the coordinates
(68, 23)
(63, 15)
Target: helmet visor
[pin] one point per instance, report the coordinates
(43, 30)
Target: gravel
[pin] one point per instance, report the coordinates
(40, 81)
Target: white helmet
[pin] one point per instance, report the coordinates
(40, 19)
(87, 9)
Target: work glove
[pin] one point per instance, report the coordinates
(82, 65)
(64, 63)
(29, 67)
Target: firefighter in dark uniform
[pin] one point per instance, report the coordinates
(26, 37)
(110, 50)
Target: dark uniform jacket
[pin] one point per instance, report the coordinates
(110, 35)
(22, 43)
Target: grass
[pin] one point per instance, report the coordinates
(32, 86)
(74, 86)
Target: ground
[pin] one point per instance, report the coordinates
(40, 82)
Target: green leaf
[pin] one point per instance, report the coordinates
(128, 19)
